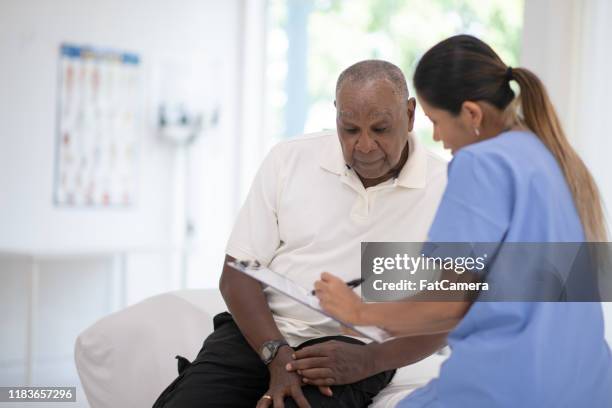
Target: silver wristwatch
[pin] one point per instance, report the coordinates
(269, 350)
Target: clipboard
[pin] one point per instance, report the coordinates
(303, 296)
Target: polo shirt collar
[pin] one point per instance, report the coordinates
(412, 175)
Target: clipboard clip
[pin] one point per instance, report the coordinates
(248, 264)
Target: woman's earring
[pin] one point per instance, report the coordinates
(477, 132)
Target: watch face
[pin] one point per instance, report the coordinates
(266, 353)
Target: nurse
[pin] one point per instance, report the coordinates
(514, 178)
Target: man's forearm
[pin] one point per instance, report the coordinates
(404, 351)
(247, 303)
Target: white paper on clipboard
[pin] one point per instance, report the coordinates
(303, 296)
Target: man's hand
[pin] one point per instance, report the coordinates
(333, 363)
(285, 384)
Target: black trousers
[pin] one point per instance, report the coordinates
(228, 373)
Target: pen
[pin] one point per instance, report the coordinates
(351, 284)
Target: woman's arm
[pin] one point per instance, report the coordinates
(413, 318)
(400, 318)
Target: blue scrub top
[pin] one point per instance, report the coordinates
(510, 354)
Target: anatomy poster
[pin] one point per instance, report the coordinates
(99, 124)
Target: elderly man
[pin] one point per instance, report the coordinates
(313, 201)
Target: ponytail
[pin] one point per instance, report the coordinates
(539, 116)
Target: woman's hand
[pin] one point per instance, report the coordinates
(337, 299)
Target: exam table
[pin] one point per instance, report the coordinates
(127, 358)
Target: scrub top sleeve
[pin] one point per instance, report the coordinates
(477, 203)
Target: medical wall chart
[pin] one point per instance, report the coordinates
(99, 122)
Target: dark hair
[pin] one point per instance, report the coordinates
(369, 70)
(463, 68)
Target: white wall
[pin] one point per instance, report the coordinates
(30, 34)
(187, 47)
(567, 43)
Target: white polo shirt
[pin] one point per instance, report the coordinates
(307, 213)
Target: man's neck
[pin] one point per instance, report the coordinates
(394, 172)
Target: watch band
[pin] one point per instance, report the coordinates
(269, 350)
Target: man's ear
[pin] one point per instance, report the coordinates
(410, 110)
(335, 104)
(472, 113)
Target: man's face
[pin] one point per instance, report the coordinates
(373, 124)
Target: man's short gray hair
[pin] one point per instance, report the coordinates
(368, 70)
